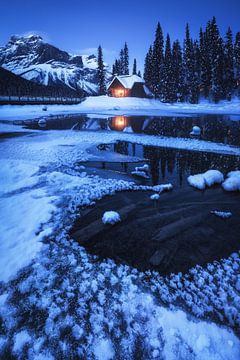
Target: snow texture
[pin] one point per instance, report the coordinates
(62, 302)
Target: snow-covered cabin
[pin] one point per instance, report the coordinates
(128, 85)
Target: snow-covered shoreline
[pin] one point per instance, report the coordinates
(71, 291)
(120, 106)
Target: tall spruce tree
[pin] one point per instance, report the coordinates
(121, 62)
(134, 71)
(125, 60)
(216, 51)
(168, 91)
(157, 61)
(237, 63)
(190, 81)
(228, 64)
(205, 63)
(177, 63)
(148, 69)
(101, 73)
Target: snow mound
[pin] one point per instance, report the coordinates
(141, 174)
(222, 214)
(196, 131)
(232, 183)
(155, 197)
(111, 217)
(144, 168)
(209, 178)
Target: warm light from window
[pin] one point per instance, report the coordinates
(119, 92)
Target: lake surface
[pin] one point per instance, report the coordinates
(217, 128)
(166, 165)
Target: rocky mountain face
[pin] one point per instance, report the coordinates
(33, 59)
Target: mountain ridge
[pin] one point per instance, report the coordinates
(34, 59)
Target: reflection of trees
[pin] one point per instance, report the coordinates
(152, 153)
(214, 127)
(171, 162)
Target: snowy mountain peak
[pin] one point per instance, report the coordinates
(32, 58)
(14, 39)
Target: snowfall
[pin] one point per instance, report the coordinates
(59, 302)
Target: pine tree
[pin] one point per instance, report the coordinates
(168, 91)
(121, 62)
(218, 92)
(101, 73)
(116, 67)
(157, 61)
(237, 63)
(217, 61)
(148, 69)
(229, 71)
(190, 81)
(125, 60)
(113, 69)
(139, 73)
(177, 70)
(205, 63)
(134, 72)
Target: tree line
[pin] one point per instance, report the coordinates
(207, 67)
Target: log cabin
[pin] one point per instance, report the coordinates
(128, 86)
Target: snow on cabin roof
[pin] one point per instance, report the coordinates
(127, 80)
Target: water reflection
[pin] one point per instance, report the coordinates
(173, 165)
(217, 128)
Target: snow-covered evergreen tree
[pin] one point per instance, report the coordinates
(125, 60)
(177, 64)
(101, 73)
(121, 69)
(205, 61)
(228, 64)
(148, 69)
(168, 84)
(216, 51)
(237, 63)
(134, 72)
(157, 61)
(190, 80)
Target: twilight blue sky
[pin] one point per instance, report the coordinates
(80, 26)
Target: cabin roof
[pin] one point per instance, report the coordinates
(127, 80)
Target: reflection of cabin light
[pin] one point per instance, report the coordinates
(119, 123)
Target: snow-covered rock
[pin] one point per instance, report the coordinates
(111, 217)
(196, 131)
(155, 197)
(43, 63)
(209, 178)
(232, 183)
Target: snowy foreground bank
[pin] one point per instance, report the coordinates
(57, 301)
(119, 106)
